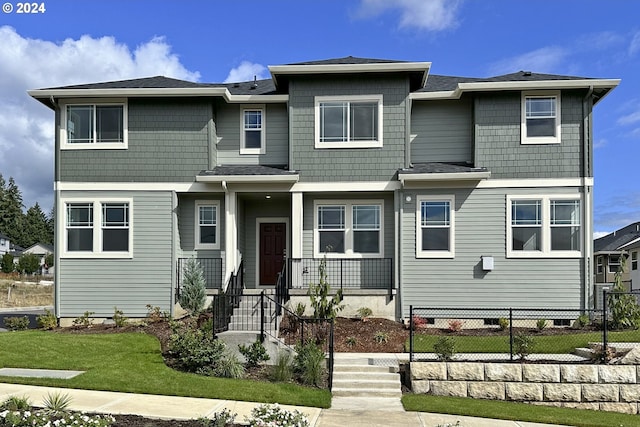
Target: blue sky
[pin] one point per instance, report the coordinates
(213, 41)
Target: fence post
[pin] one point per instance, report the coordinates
(605, 325)
(411, 333)
(511, 333)
(262, 316)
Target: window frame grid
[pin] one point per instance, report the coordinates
(347, 131)
(262, 129)
(557, 138)
(421, 253)
(196, 234)
(65, 144)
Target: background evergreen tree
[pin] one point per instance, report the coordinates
(35, 226)
(29, 263)
(7, 263)
(11, 216)
(193, 294)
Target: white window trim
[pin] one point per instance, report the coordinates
(634, 259)
(451, 253)
(263, 138)
(97, 228)
(64, 145)
(348, 239)
(524, 139)
(599, 265)
(609, 264)
(348, 144)
(196, 233)
(545, 244)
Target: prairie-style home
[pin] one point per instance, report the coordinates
(418, 189)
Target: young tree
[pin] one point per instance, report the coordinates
(28, 263)
(193, 294)
(7, 263)
(11, 216)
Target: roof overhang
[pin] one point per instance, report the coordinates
(279, 72)
(47, 95)
(602, 86)
(253, 179)
(450, 176)
(632, 244)
(616, 252)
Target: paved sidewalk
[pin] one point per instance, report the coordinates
(173, 407)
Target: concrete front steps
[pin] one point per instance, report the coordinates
(365, 382)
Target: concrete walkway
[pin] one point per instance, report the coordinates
(173, 407)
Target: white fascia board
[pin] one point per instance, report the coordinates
(156, 92)
(517, 85)
(381, 67)
(462, 176)
(179, 187)
(247, 178)
(630, 245)
(360, 186)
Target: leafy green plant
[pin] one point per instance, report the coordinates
(47, 321)
(583, 321)
(15, 403)
(56, 403)
(194, 351)
(155, 314)
(455, 325)
(323, 306)
(118, 318)
(282, 371)
(503, 323)
(193, 294)
(364, 313)
(445, 348)
(223, 418)
(299, 309)
(381, 337)
(18, 323)
(254, 353)
(625, 311)
(84, 321)
(309, 363)
(351, 342)
(7, 263)
(274, 415)
(541, 324)
(228, 366)
(523, 345)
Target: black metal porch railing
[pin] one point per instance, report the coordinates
(225, 302)
(342, 273)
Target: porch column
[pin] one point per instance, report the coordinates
(230, 235)
(296, 226)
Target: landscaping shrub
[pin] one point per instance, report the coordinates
(28, 263)
(351, 341)
(254, 353)
(583, 321)
(118, 318)
(195, 351)
(445, 348)
(193, 294)
(16, 323)
(625, 312)
(223, 418)
(418, 322)
(7, 263)
(323, 306)
(455, 325)
(523, 345)
(541, 324)
(503, 323)
(84, 321)
(47, 321)
(17, 412)
(364, 313)
(381, 337)
(56, 403)
(228, 366)
(282, 371)
(154, 314)
(273, 415)
(309, 363)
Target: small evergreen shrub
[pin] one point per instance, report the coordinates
(16, 323)
(445, 348)
(47, 321)
(255, 353)
(323, 306)
(7, 263)
(503, 323)
(193, 294)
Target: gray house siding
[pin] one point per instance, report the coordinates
(228, 132)
(168, 141)
(97, 285)
(497, 139)
(347, 164)
(442, 131)
(480, 230)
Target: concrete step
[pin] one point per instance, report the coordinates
(365, 376)
(362, 368)
(349, 383)
(365, 392)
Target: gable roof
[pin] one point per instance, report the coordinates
(615, 242)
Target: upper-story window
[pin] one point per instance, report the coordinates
(435, 237)
(94, 125)
(252, 133)
(543, 226)
(348, 121)
(599, 268)
(207, 232)
(614, 263)
(634, 260)
(540, 118)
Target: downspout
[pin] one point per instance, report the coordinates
(587, 206)
(57, 209)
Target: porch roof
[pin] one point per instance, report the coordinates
(442, 171)
(248, 173)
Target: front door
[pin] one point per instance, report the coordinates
(273, 238)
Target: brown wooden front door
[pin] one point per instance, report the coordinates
(273, 238)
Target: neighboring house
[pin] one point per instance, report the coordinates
(41, 250)
(5, 244)
(429, 190)
(608, 252)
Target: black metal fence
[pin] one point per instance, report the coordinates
(342, 273)
(211, 269)
(560, 335)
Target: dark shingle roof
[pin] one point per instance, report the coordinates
(436, 167)
(238, 170)
(348, 60)
(156, 82)
(614, 241)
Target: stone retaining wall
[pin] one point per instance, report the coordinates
(600, 387)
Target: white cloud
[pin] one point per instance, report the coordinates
(543, 60)
(599, 143)
(599, 234)
(246, 71)
(429, 15)
(634, 46)
(26, 126)
(629, 118)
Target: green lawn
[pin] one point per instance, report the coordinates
(517, 411)
(132, 362)
(561, 344)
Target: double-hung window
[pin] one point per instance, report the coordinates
(97, 228)
(94, 126)
(348, 122)
(435, 237)
(252, 132)
(540, 118)
(599, 266)
(634, 260)
(207, 232)
(544, 226)
(348, 229)
(614, 263)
